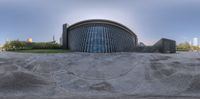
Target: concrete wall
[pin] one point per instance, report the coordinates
(162, 46)
(165, 46)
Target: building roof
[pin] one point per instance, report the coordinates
(103, 21)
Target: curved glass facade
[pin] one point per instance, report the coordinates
(100, 38)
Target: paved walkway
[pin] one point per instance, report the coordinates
(101, 97)
(91, 74)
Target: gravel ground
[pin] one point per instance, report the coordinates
(100, 75)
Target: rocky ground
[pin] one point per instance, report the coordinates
(96, 75)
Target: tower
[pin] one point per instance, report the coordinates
(54, 38)
(195, 41)
(65, 37)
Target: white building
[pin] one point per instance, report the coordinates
(190, 42)
(1, 47)
(195, 42)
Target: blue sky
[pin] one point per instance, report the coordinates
(149, 19)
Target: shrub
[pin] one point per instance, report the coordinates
(187, 47)
(43, 45)
(183, 47)
(22, 45)
(14, 45)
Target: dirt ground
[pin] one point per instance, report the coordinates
(100, 75)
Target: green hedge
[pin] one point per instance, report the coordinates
(44, 46)
(187, 47)
(22, 45)
(181, 49)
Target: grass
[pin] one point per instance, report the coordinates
(42, 51)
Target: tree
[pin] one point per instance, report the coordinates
(184, 46)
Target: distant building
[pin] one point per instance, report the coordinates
(195, 42)
(165, 46)
(190, 42)
(1, 47)
(141, 44)
(7, 40)
(29, 40)
(61, 42)
(54, 40)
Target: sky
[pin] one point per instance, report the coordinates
(150, 20)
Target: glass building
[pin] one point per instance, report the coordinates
(98, 36)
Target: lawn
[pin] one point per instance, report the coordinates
(42, 51)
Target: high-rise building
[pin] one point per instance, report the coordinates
(61, 42)
(190, 42)
(195, 42)
(54, 38)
